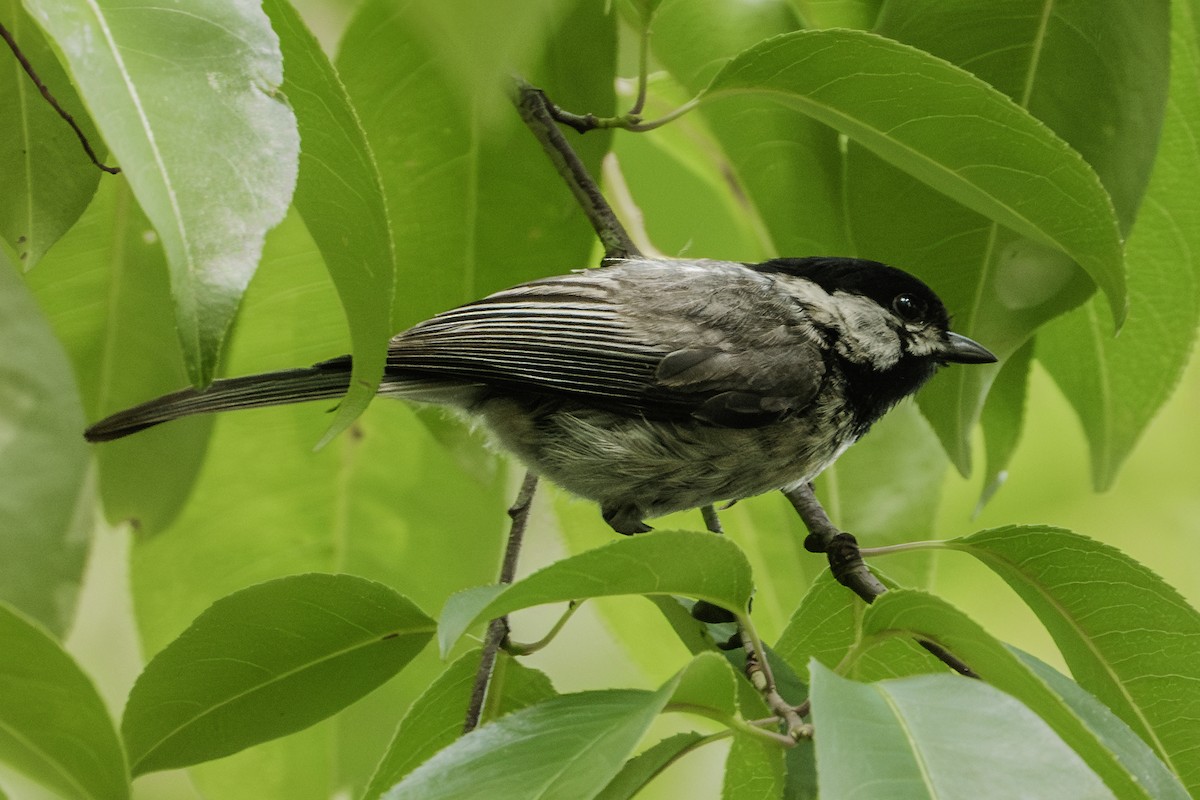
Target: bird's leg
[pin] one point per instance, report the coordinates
(847, 565)
(841, 548)
(711, 521)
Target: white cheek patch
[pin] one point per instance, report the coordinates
(866, 336)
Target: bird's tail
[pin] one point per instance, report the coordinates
(327, 380)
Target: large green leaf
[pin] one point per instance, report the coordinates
(1117, 385)
(1128, 637)
(47, 177)
(475, 204)
(909, 613)
(828, 623)
(48, 490)
(340, 196)
(700, 565)
(213, 173)
(1118, 737)
(53, 724)
(378, 503)
(435, 719)
(1094, 75)
(783, 167)
(267, 661)
(938, 736)
(105, 289)
(567, 747)
(948, 129)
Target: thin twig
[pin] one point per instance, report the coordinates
(497, 630)
(758, 671)
(847, 565)
(534, 108)
(49, 98)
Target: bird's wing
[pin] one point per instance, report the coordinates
(572, 337)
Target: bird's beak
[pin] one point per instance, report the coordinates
(961, 350)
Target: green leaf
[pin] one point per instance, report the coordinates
(828, 623)
(783, 168)
(435, 719)
(948, 129)
(566, 747)
(213, 174)
(1093, 75)
(373, 504)
(53, 724)
(1096, 76)
(648, 764)
(753, 769)
(46, 515)
(1118, 737)
(104, 287)
(340, 195)
(927, 617)
(47, 177)
(699, 565)
(1117, 385)
(569, 746)
(475, 205)
(265, 662)
(838, 13)
(1128, 638)
(938, 736)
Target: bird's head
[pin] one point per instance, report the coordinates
(887, 329)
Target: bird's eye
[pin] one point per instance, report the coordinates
(910, 307)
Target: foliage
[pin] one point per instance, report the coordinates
(283, 200)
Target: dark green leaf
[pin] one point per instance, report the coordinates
(475, 205)
(1127, 636)
(938, 736)
(566, 747)
(213, 174)
(826, 626)
(47, 177)
(783, 168)
(838, 13)
(927, 617)
(1096, 76)
(1118, 737)
(644, 767)
(1117, 385)
(265, 662)
(53, 724)
(944, 126)
(435, 719)
(699, 565)
(46, 515)
(340, 196)
(105, 289)
(753, 769)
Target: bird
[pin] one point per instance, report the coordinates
(651, 386)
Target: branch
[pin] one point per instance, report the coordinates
(62, 112)
(846, 562)
(534, 108)
(497, 630)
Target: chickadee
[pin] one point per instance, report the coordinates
(652, 386)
